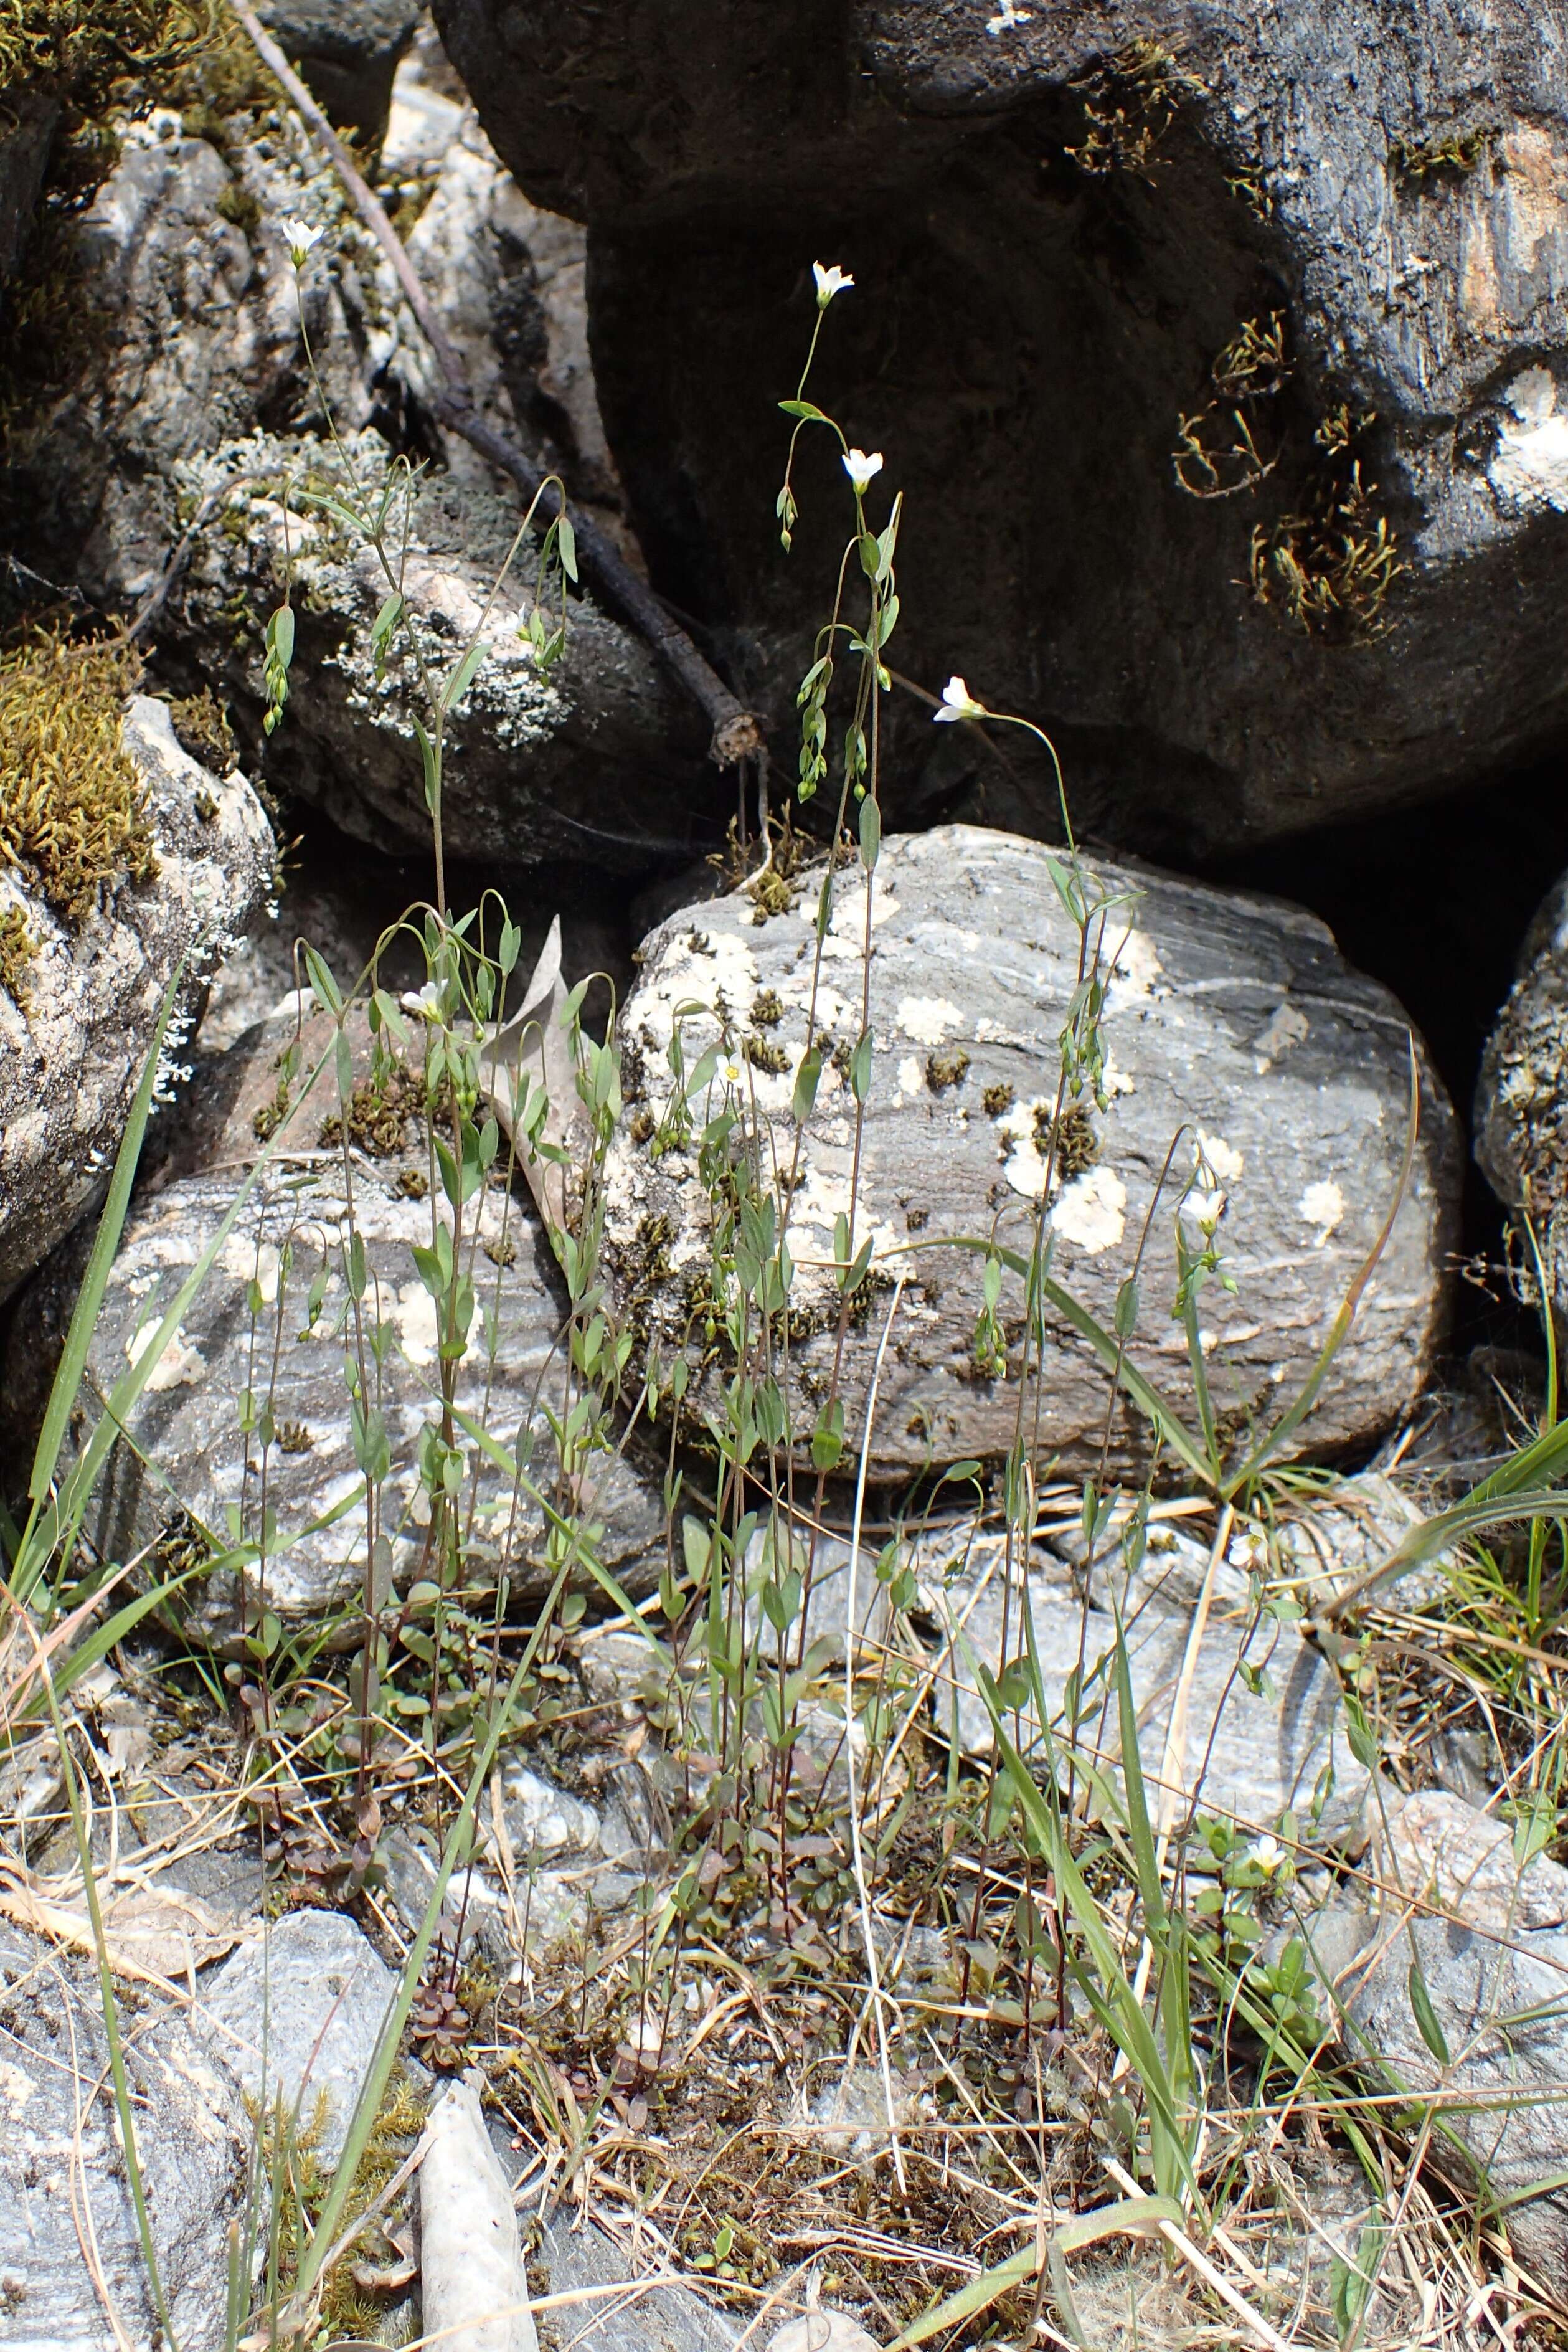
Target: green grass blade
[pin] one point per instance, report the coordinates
(1130, 2216)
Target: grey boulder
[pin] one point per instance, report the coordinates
(295, 2016)
(70, 1058)
(63, 2171)
(1500, 2002)
(1080, 233)
(1233, 1025)
(186, 1474)
(1250, 1727)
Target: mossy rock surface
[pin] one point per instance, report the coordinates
(107, 915)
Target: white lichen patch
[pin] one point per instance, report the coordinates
(1091, 1211)
(1019, 1129)
(247, 1263)
(1323, 1205)
(1530, 466)
(911, 1080)
(418, 1330)
(929, 1020)
(1135, 974)
(846, 925)
(179, 1364)
(1287, 1026)
(1222, 1158)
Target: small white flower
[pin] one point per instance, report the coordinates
(1007, 16)
(860, 467)
(1268, 1853)
(958, 702)
(301, 240)
(426, 1003)
(830, 282)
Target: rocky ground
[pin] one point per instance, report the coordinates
(782, 1567)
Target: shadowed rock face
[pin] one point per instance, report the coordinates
(1055, 238)
(1230, 1022)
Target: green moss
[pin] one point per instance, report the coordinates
(946, 1069)
(997, 1099)
(1077, 1143)
(1331, 567)
(85, 48)
(1454, 156)
(202, 727)
(380, 1109)
(17, 949)
(767, 1009)
(763, 1055)
(237, 204)
(73, 818)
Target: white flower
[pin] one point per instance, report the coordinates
(1007, 16)
(860, 467)
(424, 1001)
(958, 702)
(1268, 1853)
(301, 239)
(830, 282)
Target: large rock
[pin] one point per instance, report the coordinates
(62, 2169)
(347, 50)
(186, 1459)
(1231, 1022)
(1171, 175)
(599, 760)
(153, 468)
(296, 2016)
(73, 1053)
(1521, 1099)
(1261, 1730)
(1498, 1997)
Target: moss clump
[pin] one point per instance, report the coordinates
(17, 949)
(1077, 1143)
(997, 1099)
(767, 1009)
(202, 727)
(237, 204)
(1454, 156)
(83, 48)
(945, 1070)
(380, 1109)
(763, 1055)
(73, 816)
(1331, 567)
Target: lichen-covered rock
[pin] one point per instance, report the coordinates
(73, 1047)
(62, 2170)
(1231, 1026)
(188, 1475)
(598, 761)
(1521, 1099)
(1309, 261)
